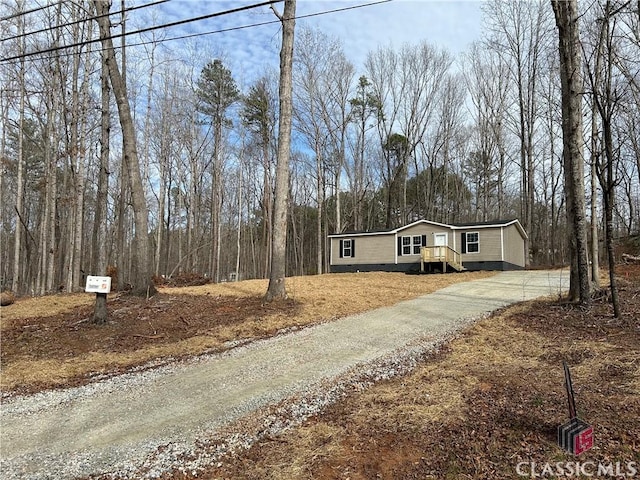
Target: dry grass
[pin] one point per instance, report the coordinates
(27, 307)
(355, 291)
(336, 295)
(315, 299)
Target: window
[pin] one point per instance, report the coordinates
(347, 248)
(411, 245)
(473, 242)
(406, 245)
(417, 244)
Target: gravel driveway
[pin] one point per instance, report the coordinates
(158, 417)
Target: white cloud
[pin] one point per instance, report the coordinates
(249, 51)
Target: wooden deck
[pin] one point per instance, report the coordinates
(446, 256)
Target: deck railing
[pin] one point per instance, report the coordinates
(441, 253)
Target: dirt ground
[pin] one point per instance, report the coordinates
(488, 401)
(51, 341)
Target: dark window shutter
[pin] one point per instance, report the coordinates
(424, 240)
(463, 243)
(341, 247)
(353, 248)
(399, 246)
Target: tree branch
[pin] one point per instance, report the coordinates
(276, 13)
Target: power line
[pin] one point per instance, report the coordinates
(202, 34)
(33, 10)
(143, 30)
(269, 22)
(129, 9)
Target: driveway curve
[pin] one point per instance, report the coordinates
(110, 427)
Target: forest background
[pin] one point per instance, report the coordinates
(418, 133)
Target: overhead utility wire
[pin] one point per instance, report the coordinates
(269, 22)
(129, 9)
(37, 9)
(143, 30)
(241, 27)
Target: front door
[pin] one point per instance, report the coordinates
(440, 240)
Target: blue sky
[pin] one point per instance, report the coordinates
(450, 24)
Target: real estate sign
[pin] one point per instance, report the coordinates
(98, 284)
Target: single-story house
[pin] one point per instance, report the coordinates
(498, 245)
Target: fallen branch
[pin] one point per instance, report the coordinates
(151, 337)
(75, 324)
(630, 258)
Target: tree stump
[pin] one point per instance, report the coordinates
(6, 298)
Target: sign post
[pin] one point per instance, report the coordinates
(100, 286)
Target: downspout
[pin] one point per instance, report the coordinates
(502, 244)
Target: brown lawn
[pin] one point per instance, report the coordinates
(51, 342)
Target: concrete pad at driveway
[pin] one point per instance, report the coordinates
(115, 424)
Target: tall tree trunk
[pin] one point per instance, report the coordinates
(606, 99)
(320, 212)
(595, 161)
(142, 283)
(100, 314)
(609, 200)
(17, 245)
(4, 113)
(238, 236)
(49, 201)
(277, 289)
(80, 179)
(160, 222)
(566, 13)
(267, 206)
(595, 255)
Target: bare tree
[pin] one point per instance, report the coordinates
(566, 13)
(142, 283)
(550, 211)
(100, 225)
(314, 55)
(607, 98)
(276, 289)
(18, 262)
(407, 85)
(487, 81)
(519, 34)
(337, 83)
